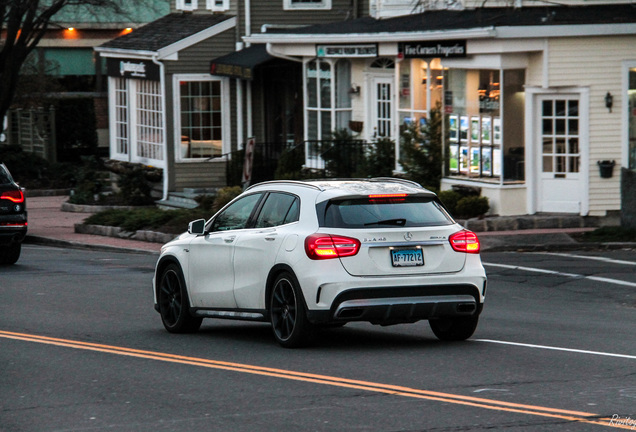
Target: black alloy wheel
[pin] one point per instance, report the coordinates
(174, 304)
(287, 312)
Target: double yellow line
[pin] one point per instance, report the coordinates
(573, 416)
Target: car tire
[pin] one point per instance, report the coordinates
(11, 254)
(454, 329)
(174, 303)
(287, 311)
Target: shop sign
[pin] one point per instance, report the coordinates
(433, 49)
(131, 68)
(230, 70)
(367, 50)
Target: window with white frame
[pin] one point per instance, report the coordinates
(202, 121)
(218, 5)
(150, 129)
(121, 121)
(137, 127)
(306, 4)
(328, 106)
(186, 5)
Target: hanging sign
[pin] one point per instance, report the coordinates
(433, 49)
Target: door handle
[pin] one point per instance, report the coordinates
(229, 239)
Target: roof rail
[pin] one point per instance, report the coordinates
(290, 182)
(397, 180)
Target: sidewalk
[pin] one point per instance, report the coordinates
(48, 224)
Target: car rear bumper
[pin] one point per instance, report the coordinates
(12, 230)
(390, 305)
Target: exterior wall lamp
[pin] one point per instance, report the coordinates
(609, 101)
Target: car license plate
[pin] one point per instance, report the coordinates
(407, 257)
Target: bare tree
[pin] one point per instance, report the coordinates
(22, 26)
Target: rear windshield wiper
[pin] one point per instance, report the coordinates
(399, 222)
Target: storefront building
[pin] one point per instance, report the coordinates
(538, 100)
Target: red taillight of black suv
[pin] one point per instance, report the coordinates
(326, 246)
(465, 241)
(13, 195)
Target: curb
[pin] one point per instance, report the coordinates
(45, 241)
(117, 232)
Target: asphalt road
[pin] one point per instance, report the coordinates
(82, 349)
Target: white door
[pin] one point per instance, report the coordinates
(211, 266)
(560, 182)
(381, 106)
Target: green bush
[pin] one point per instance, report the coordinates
(450, 198)
(88, 183)
(224, 196)
(472, 206)
(290, 164)
(379, 160)
(134, 188)
(421, 150)
(34, 172)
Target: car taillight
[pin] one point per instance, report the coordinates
(325, 246)
(15, 195)
(464, 241)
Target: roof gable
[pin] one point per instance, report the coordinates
(171, 33)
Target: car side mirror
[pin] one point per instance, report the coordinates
(197, 227)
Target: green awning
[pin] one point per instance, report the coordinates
(70, 61)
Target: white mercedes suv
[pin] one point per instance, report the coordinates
(303, 254)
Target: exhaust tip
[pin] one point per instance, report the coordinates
(466, 308)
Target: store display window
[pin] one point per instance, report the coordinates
(482, 142)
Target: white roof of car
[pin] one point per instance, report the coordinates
(344, 187)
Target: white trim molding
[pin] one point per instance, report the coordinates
(306, 5)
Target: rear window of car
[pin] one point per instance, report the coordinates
(371, 212)
(4, 176)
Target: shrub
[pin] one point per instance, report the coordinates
(421, 150)
(472, 206)
(450, 199)
(290, 164)
(134, 188)
(224, 196)
(379, 160)
(34, 172)
(89, 184)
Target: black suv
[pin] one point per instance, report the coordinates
(13, 218)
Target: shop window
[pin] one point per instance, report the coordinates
(421, 88)
(201, 119)
(306, 4)
(137, 129)
(632, 119)
(150, 129)
(121, 124)
(482, 142)
(328, 99)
